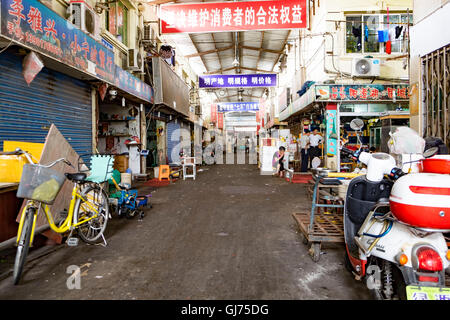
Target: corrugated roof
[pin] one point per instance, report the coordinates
(214, 53)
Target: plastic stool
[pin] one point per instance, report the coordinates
(189, 162)
(164, 172)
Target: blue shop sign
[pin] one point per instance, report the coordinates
(238, 81)
(238, 106)
(128, 83)
(38, 28)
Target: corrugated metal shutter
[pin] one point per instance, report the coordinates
(173, 138)
(26, 112)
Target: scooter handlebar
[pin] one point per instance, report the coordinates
(396, 173)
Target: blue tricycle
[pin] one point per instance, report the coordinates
(129, 203)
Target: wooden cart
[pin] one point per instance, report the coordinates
(320, 225)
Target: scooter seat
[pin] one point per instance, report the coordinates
(330, 181)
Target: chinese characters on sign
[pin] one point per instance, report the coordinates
(427, 293)
(34, 25)
(127, 82)
(238, 106)
(213, 113)
(233, 16)
(220, 120)
(374, 92)
(238, 81)
(331, 129)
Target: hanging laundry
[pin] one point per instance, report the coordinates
(366, 33)
(383, 35)
(356, 32)
(388, 49)
(398, 31)
(392, 34)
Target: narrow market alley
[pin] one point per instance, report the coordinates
(227, 235)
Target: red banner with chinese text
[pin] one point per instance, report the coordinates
(220, 120)
(213, 113)
(258, 117)
(233, 16)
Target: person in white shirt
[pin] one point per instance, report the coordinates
(314, 140)
(304, 146)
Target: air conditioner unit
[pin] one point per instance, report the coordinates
(148, 35)
(135, 61)
(366, 67)
(85, 18)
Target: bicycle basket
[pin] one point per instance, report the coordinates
(40, 183)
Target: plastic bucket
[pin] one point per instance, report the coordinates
(125, 178)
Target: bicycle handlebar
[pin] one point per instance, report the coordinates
(19, 151)
(57, 161)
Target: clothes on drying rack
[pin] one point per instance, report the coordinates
(398, 31)
(366, 33)
(356, 32)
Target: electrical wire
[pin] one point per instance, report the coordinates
(337, 71)
(4, 49)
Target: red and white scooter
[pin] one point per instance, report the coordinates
(394, 224)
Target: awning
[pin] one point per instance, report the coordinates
(64, 47)
(341, 93)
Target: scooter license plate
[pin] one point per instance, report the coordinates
(427, 293)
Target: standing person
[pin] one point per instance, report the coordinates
(304, 147)
(279, 161)
(314, 140)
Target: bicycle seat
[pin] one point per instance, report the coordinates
(76, 177)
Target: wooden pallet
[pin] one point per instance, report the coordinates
(327, 228)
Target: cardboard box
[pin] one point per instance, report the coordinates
(121, 163)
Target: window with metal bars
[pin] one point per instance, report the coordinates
(436, 94)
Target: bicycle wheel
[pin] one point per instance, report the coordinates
(24, 245)
(92, 231)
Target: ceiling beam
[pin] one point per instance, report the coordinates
(243, 95)
(260, 53)
(232, 47)
(216, 50)
(261, 49)
(218, 57)
(203, 61)
(282, 48)
(156, 2)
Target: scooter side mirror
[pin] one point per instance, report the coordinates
(430, 152)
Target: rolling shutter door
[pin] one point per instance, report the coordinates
(26, 112)
(173, 139)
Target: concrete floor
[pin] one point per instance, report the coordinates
(227, 235)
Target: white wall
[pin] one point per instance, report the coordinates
(424, 8)
(425, 36)
(429, 34)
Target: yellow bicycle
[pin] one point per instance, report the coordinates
(88, 211)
